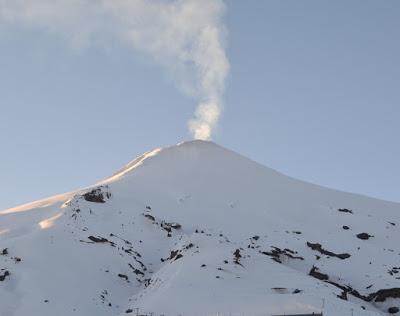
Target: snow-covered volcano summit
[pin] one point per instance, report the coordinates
(196, 229)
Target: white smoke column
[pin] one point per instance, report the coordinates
(186, 37)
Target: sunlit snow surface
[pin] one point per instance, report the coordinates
(190, 230)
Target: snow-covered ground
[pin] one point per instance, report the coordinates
(196, 229)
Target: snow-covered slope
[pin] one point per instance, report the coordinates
(196, 229)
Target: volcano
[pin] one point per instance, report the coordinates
(196, 229)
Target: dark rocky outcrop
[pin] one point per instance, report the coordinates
(150, 217)
(364, 236)
(378, 296)
(314, 272)
(177, 254)
(97, 195)
(4, 275)
(98, 239)
(237, 256)
(382, 295)
(345, 210)
(174, 255)
(168, 227)
(318, 247)
(123, 276)
(393, 310)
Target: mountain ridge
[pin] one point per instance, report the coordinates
(131, 165)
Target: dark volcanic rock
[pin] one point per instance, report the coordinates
(4, 275)
(97, 196)
(169, 226)
(345, 210)
(174, 255)
(150, 217)
(98, 239)
(237, 256)
(318, 247)
(343, 295)
(364, 236)
(123, 276)
(382, 295)
(393, 310)
(318, 275)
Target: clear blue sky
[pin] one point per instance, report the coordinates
(314, 92)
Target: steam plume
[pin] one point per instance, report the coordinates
(184, 36)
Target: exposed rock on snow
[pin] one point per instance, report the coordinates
(97, 195)
(4, 274)
(364, 236)
(345, 210)
(318, 247)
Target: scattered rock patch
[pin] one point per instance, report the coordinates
(276, 254)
